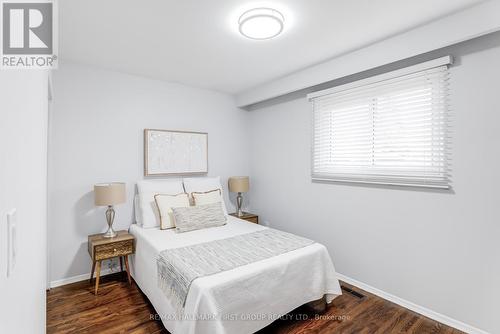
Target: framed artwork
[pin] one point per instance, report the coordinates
(168, 152)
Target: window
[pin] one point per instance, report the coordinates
(389, 129)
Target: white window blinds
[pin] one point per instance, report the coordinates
(389, 129)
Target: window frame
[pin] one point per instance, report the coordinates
(444, 182)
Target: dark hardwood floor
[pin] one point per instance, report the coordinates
(121, 308)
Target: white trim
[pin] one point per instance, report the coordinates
(447, 60)
(50, 91)
(413, 307)
(78, 278)
(428, 186)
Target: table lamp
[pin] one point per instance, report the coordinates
(239, 184)
(109, 194)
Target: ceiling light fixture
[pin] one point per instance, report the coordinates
(261, 23)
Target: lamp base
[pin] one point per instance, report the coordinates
(110, 233)
(110, 217)
(239, 202)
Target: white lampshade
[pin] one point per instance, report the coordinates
(109, 193)
(239, 184)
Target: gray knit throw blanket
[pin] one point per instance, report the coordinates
(179, 267)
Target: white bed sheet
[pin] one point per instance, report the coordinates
(241, 300)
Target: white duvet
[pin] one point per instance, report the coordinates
(241, 300)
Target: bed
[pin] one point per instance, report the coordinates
(240, 300)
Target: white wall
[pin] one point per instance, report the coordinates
(23, 185)
(96, 135)
(437, 249)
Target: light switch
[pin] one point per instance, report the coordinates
(11, 241)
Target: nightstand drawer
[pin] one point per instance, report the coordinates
(249, 217)
(254, 220)
(119, 248)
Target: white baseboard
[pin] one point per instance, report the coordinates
(414, 307)
(78, 278)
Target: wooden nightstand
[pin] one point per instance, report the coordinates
(101, 248)
(248, 217)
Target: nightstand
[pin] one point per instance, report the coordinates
(250, 217)
(101, 248)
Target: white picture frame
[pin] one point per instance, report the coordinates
(172, 152)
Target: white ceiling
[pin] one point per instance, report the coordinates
(196, 42)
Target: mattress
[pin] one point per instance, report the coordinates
(241, 300)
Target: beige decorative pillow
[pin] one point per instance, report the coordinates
(209, 197)
(166, 203)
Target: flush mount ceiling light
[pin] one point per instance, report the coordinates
(261, 23)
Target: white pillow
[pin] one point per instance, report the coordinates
(165, 205)
(209, 197)
(149, 215)
(204, 184)
(137, 210)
